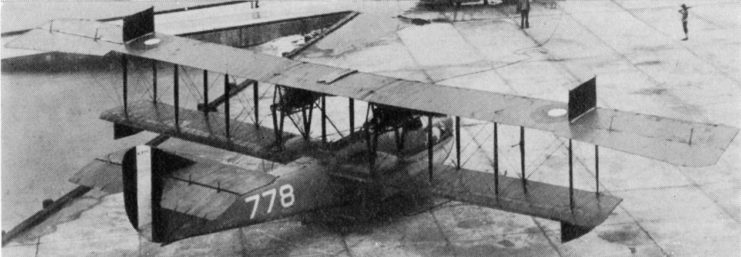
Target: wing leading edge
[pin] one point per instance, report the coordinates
(674, 141)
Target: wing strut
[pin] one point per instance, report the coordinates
(324, 119)
(176, 92)
(154, 80)
(429, 144)
(522, 158)
(226, 105)
(571, 172)
(352, 116)
(125, 67)
(205, 92)
(571, 177)
(256, 100)
(596, 168)
(458, 142)
(496, 161)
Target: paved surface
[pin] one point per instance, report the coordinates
(634, 47)
(174, 23)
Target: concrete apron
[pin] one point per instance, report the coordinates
(641, 66)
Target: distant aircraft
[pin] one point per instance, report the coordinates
(170, 196)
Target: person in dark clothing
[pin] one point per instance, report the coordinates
(685, 14)
(524, 7)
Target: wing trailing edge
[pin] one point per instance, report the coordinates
(539, 199)
(674, 141)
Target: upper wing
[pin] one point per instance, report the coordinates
(675, 141)
(71, 36)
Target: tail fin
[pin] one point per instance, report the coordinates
(582, 99)
(144, 171)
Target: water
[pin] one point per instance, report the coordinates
(19, 15)
(50, 125)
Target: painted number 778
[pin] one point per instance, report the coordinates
(286, 198)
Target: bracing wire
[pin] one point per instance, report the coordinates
(244, 102)
(557, 145)
(473, 142)
(330, 120)
(140, 82)
(116, 98)
(190, 84)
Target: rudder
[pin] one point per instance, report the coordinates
(144, 170)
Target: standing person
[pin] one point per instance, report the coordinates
(684, 13)
(524, 7)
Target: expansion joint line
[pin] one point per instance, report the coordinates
(694, 184)
(242, 239)
(550, 242)
(416, 62)
(635, 221)
(345, 245)
(442, 232)
(725, 74)
(624, 58)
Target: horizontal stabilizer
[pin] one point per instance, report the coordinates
(674, 141)
(196, 200)
(540, 200)
(103, 173)
(219, 176)
(206, 188)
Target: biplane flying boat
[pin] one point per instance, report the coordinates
(170, 196)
